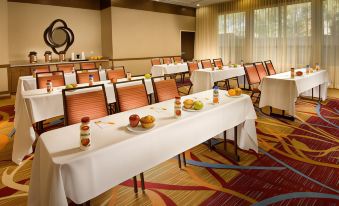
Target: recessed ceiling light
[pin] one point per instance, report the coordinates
(198, 4)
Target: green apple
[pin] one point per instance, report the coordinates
(198, 105)
(148, 76)
(69, 86)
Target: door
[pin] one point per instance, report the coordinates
(187, 45)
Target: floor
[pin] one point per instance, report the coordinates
(298, 164)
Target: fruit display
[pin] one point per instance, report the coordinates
(299, 73)
(147, 121)
(192, 105)
(188, 103)
(198, 105)
(96, 57)
(134, 120)
(234, 92)
(71, 86)
(148, 76)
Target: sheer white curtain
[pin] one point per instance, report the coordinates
(231, 39)
(283, 34)
(330, 44)
(291, 33)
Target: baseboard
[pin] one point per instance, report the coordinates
(5, 95)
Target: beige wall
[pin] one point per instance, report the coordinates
(106, 32)
(3, 44)
(138, 33)
(27, 23)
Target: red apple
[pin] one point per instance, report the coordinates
(134, 120)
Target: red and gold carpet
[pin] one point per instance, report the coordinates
(298, 164)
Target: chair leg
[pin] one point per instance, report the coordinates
(270, 110)
(135, 184)
(210, 144)
(184, 158)
(142, 181)
(179, 161)
(189, 90)
(238, 82)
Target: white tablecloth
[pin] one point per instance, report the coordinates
(204, 79)
(61, 170)
(32, 106)
(281, 91)
(161, 70)
(29, 82)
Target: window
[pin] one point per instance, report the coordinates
(232, 36)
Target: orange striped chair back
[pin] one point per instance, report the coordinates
(166, 60)
(251, 74)
(84, 102)
(66, 68)
(88, 65)
(270, 67)
(206, 63)
(261, 69)
(82, 76)
(218, 62)
(57, 78)
(177, 59)
(130, 96)
(116, 73)
(155, 61)
(40, 69)
(192, 66)
(164, 89)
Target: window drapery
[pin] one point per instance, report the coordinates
(291, 33)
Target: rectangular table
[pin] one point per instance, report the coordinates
(32, 106)
(60, 169)
(29, 82)
(204, 79)
(281, 91)
(161, 70)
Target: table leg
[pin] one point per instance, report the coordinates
(312, 93)
(142, 181)
(179, 161)
(289, 117)
(184, 158)
(319, 93)
(135, 184)
(225, 138)
(236, 143)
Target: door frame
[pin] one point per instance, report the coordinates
(180, 31)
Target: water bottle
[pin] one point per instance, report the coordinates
(215, 95)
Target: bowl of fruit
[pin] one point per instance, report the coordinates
(71, 86)
(193, 106)
(234, 92)
(140, 125)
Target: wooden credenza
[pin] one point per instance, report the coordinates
(18, 69)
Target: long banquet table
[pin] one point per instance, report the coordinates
(61, 170)
(204, 79)
(29, 82)
(35, 105)
(281, 91)
(161, 70)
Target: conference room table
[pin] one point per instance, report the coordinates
(163, 69)
(204, 79)
(280, 91)
(29, 82)
(61, 170)
(35, 105)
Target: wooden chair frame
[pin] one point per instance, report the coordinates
(40, 73)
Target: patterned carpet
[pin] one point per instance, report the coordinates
(298, 164)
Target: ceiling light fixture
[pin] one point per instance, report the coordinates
(198, 4)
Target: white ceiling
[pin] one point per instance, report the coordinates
(192, 3)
